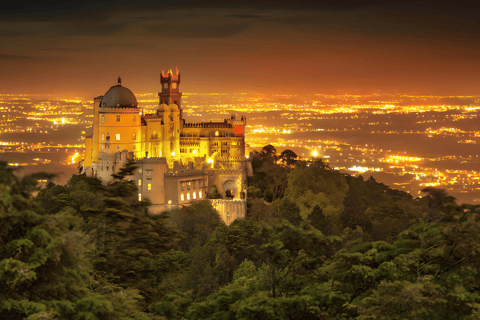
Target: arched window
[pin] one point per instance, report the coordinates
(200, 194)
(181, 197)
(188, 196)
(194, 195)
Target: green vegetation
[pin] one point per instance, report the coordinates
(316, 244)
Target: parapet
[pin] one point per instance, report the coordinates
(152, 160)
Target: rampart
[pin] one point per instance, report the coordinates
(230, 210)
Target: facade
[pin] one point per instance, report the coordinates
(177, 162)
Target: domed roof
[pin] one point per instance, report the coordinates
(118, 96)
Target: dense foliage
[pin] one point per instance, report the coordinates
(316, 244)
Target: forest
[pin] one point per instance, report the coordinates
(315, 244)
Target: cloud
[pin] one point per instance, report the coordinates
(244, 16)
(15, 57)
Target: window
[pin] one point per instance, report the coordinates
(194, 195)
(118, 119)
(217, 133)
(182, 184)
(117, 136)
(134, 118)
(181, 197)
(149, 187)
(174, 85)
(103, 118)
(118, 147)
(189, 184)
(134, 136)
(200, 194)
(169, 201)
(103, 136)
(107, 168)
(139, 197)
(103, 147)
(188, 196)
(165, 85)
(140, 182)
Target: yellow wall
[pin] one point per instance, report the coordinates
(128, 130)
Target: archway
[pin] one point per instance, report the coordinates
(229, 189)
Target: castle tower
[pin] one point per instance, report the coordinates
(118, 122)
(170, 104)
(170, 93)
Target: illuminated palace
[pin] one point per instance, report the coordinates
(177, 162)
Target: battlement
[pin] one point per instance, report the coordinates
(170, 77)
(152, 160)
(208, 125)
(119, 110)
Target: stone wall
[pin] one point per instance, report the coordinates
(230, 210)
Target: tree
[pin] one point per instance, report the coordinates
(196, 223)
(44, 262)
(288, 158)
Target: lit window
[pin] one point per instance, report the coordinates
(216, 134)
(139, 182)
(103, 118)
(200, 194)
(103, 136)
(149, 187)
(118, 119)
(174, 85)
(139, 197)
(134, 136)
(103, 146)
(181, 197)
(188, 196)
(194, 196)
(169, 201)
(117, 136)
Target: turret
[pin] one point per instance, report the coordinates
(170, 93)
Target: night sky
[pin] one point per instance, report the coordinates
(79, 48)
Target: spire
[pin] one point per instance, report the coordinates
(119, 81)
(177, 72)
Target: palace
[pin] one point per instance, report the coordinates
(177, 162)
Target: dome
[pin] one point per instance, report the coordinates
(119, 96)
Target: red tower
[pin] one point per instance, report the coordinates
(170, 92)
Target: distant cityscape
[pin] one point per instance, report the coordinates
(406, 142)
